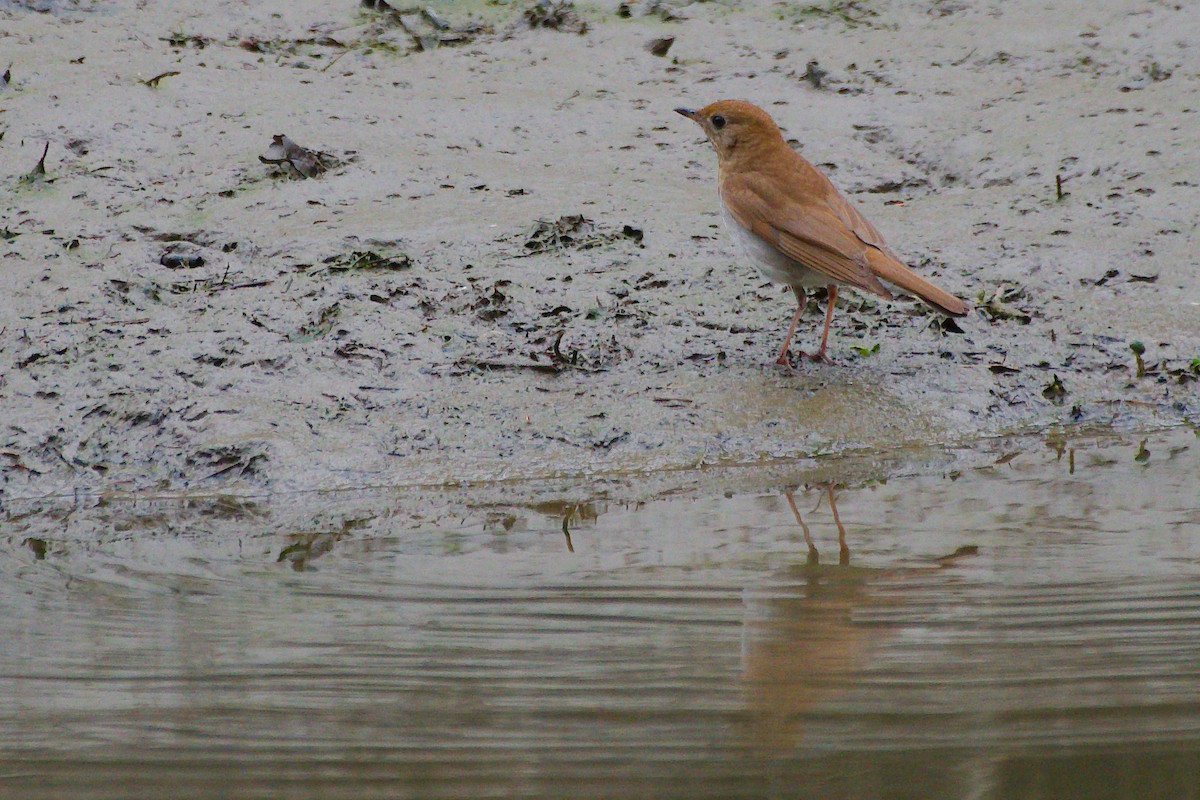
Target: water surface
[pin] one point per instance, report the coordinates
(1029, 628)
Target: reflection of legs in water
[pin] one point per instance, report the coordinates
(813, 556)
(843, 550)
(567, 531)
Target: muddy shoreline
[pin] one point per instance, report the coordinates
(178, 317)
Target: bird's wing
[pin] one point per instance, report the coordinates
(801, 213)
(886, 265)
(853, 219)
(794, 217)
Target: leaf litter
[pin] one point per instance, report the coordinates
(304, 162)
(575, 232)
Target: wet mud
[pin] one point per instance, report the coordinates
(487, 249)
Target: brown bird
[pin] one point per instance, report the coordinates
(795, 225)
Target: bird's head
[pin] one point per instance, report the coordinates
(735, 127)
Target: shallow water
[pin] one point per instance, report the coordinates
(1029, 628)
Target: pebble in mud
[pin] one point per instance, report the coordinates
(181, 260)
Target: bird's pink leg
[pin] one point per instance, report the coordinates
(801, 301)
(820, 354)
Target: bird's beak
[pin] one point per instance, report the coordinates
(687, 112)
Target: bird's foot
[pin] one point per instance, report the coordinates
(785, 363)
(820, 356)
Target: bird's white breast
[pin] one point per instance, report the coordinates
(773, 264)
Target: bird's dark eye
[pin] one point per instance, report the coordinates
(718, 121)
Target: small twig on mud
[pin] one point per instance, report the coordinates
(558, 356)
(335, 60)
(963, 60)
(497, 364)
(247, 285)
(105, 320)
(153, 82)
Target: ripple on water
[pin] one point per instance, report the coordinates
(1025, 628)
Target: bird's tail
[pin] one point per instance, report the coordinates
(893, 273)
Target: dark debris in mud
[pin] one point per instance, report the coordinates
(850, 13)
(233, 461)
(815, 74)
(298, 161)
(558, 15)
(1055, 391)
(176, 259)
(157, 79)
(575, 232)
(660, 46)
(596, 355)
(38, 546)
(365, 260)
(426, 27)
(38, 173)
(180, 40)
(666, 10)
(314, 47)
(319, 324)
(1000, 304)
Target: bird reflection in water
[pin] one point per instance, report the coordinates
(814, 556)
(804, 644)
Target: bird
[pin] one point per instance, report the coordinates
(795, 225)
